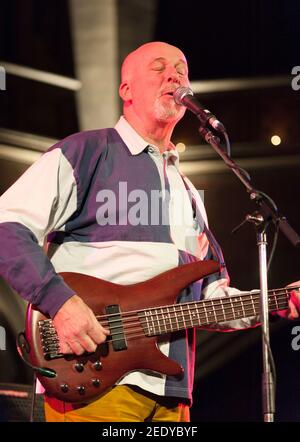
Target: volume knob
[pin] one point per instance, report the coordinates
(97, 365)
(64, 388)
(79, 367)
(81, 389)
(96, 382)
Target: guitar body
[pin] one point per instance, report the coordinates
(84, 378)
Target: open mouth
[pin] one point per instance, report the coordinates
(170, 94)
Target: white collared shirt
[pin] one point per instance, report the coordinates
(184, 232)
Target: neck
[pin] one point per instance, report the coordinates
(157, 133)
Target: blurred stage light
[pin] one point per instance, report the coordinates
(180, 147)
(275, 140)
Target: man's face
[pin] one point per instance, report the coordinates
(155, 71)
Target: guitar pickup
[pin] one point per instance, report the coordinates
(117, 336)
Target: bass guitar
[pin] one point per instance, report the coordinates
(136, 316)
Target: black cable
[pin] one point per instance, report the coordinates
(236, 167)
(275, 239)
(22, 344)
(33, 397)
(272, 364)
(228, 147)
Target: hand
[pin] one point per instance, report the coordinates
(77, 327)
(294, 304)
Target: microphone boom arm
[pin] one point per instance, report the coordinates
(269, 213)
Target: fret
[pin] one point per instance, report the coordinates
(197, 314)
(194, 318)
(287, 292)
(276, 302)
(253, 305)
(169, 318)
(223, 310)
(164, 324)
(179, 316)
(176, 317)
(216, 303)
(149, 327)
(271, 301)
(205, 312)
(214, 310)
(153, 323)
(232, 307)
(237, 308)
(190, 315)
(158, 323)
(243, 308)
(152, 327)
(182, 313)
(281, 303)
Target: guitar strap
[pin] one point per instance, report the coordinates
(196, 215)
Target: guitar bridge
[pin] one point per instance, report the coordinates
(117, 336)
(49, 340)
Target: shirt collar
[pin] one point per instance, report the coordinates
(135, 143)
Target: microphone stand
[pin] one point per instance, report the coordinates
(266, 214)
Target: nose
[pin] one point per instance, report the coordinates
(172, 76)
(173, 79)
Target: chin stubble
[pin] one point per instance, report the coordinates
(164, 112)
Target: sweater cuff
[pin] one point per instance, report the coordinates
(53, 295)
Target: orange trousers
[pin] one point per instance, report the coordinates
(123, 404)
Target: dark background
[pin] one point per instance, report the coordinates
(221, 40)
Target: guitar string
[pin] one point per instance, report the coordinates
(190, 307)
(129, 336)
(136, 334)
(155, 320)
(182, 310)
(231, 299)
(186, 323)
(155, 314)
(192, 314)
(215, 300)
(196, 308)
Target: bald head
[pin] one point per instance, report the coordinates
(150, 74)
(144, 52)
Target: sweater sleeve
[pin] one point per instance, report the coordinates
(40, 201)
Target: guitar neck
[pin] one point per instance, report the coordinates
(166, 319)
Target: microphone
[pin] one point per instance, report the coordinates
(184, 96)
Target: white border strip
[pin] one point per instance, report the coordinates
(237, 84)
(202, 167)
(19, 155)
(41, 76)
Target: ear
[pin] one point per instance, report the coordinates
(125, 91)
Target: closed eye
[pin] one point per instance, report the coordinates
(158, 68)
(181, 70)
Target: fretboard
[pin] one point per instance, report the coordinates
(166, 319)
